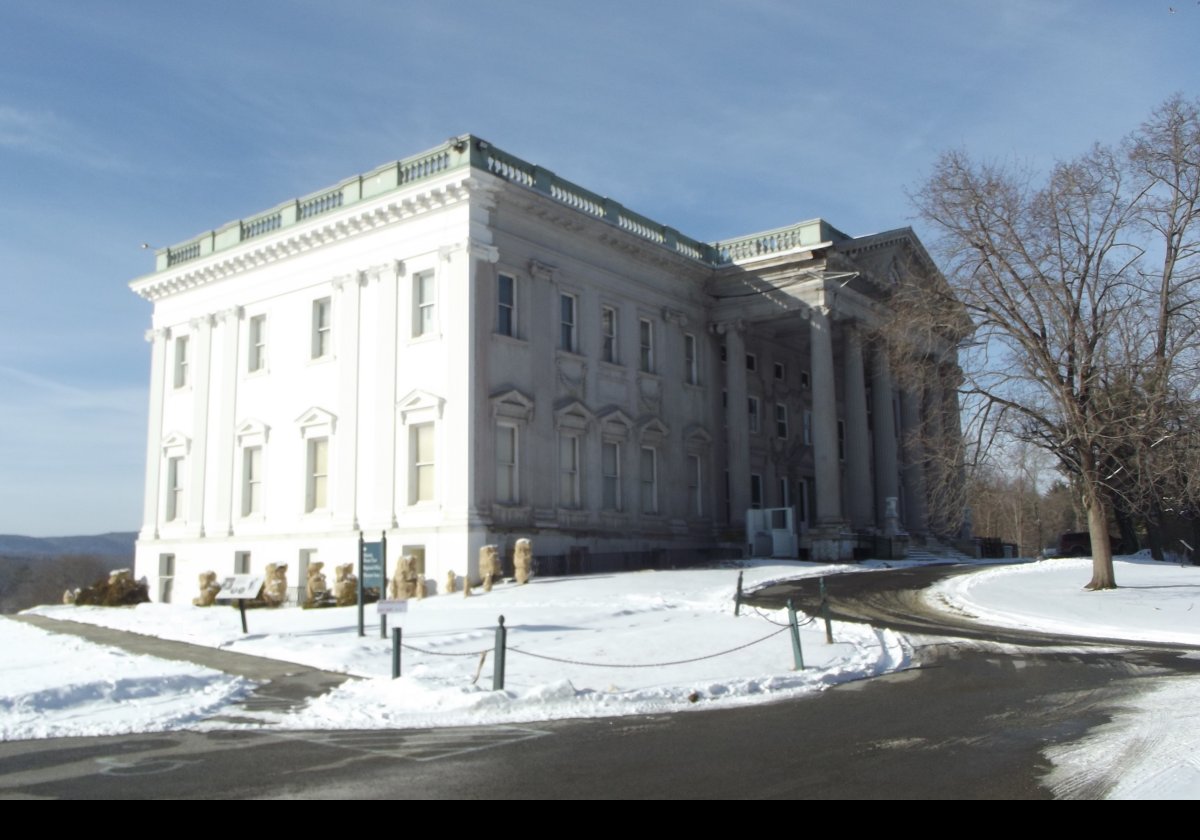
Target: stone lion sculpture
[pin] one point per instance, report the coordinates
(208, 590)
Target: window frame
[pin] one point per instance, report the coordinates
(420, 467)
(646, 345)
(425, 295)
(316, 474)
(322, 329)
(691, 359)
(256, 344)
(609, 334)
(252, 480)
(568, 330)
(512, 494)
(181, 361)
(648, 485)
(506, 311)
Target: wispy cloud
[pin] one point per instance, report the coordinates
(46, 134)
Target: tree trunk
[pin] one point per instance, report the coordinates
(1102, 565)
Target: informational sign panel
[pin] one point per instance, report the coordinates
(372, 573)
(386, 607)
(237, 587)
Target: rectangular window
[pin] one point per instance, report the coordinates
(424, 304)
(751, 362)
(608, 330)
(422, 462)
(166, 577)
(695, 503)
(181, 361)
(317, 495)
(256, 358)
(756, 491)
(755, 420)
(779, 371)
(804, 381)
(252, 480)
(781, 421)
(506, 465)
(646, 342)
(506, 305)
(610, 467)
(807, 424)
(568, 471)
(567, 339)
(174, 489)
(322, 328)
(241, 562)
(690, 362)
(649, 479)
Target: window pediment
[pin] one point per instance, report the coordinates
(176, 444)
(420, 407)
(316, 423)
(615, 424)
(252, 433)
(513, 405)
(573, 415)
(654, 430)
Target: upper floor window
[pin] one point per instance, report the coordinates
(610, 468)
(755, 422)
(781, 421)
(174, 489)
(424, 304)
(322, 328)
(507, 488)
(317, 489)
(779, 371)
(649, 479)
(506, 305)
(608, 330)
(422, 462)
(751, 362)
(646, 345)
(181, 361)
(568, 338)
(257, 344)
(691, 363)
(252, 476)
(568, 471)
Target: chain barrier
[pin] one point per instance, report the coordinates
(782, 624)
(444, 652)
(646, 664)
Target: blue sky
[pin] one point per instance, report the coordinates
(131, 122)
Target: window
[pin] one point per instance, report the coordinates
(755, 422)
(166, 577)
(566, 317)
(241, 562)
(257, 344)
(781, 420)
(568, 471)
(646, 340)
(608, 331)
(841, 440)
(421, 443)
(506, 465)
(751, 362)
(174, 489)
(610, 467)
(424, 304)
(756, 491)
(785, 498)
(690, 362)
(252, 480)
(181, 361)
(322, 325)
(649, 479)
(807, 422)
(695, 504)
(724, 353)
(779, 371)
(317, 490)
(804, 379)
(506, 305)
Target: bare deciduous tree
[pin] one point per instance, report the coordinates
(1080, 292)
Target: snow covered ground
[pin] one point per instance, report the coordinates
(644, 642)
(633, 643)
(57, 685)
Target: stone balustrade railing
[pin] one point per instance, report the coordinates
(472, 151)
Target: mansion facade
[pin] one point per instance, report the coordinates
(462, 348)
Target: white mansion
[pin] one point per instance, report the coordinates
(461, 348)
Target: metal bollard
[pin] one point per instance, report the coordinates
(737, 597)
(396, 637)
(498, 667)
(797, 653)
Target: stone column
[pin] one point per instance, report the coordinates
(737, 418)
(159, 339)
(345, 448)
(935, 458)
(201, 388)
(228, 466)
(387, 317)
(915, 514)
(886, 484)
(824, 421)
(860, 498)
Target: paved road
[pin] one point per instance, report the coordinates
(970, 721)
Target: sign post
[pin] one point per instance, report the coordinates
(241, 588)
(372, 572)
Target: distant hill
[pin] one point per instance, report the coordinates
(116, 544)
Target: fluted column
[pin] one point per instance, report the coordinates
(227, 464)
(737, 419)
(860, 499)
(824, 420)
(345, 468)
(886, 481)
(201, 389)
(915, 512)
